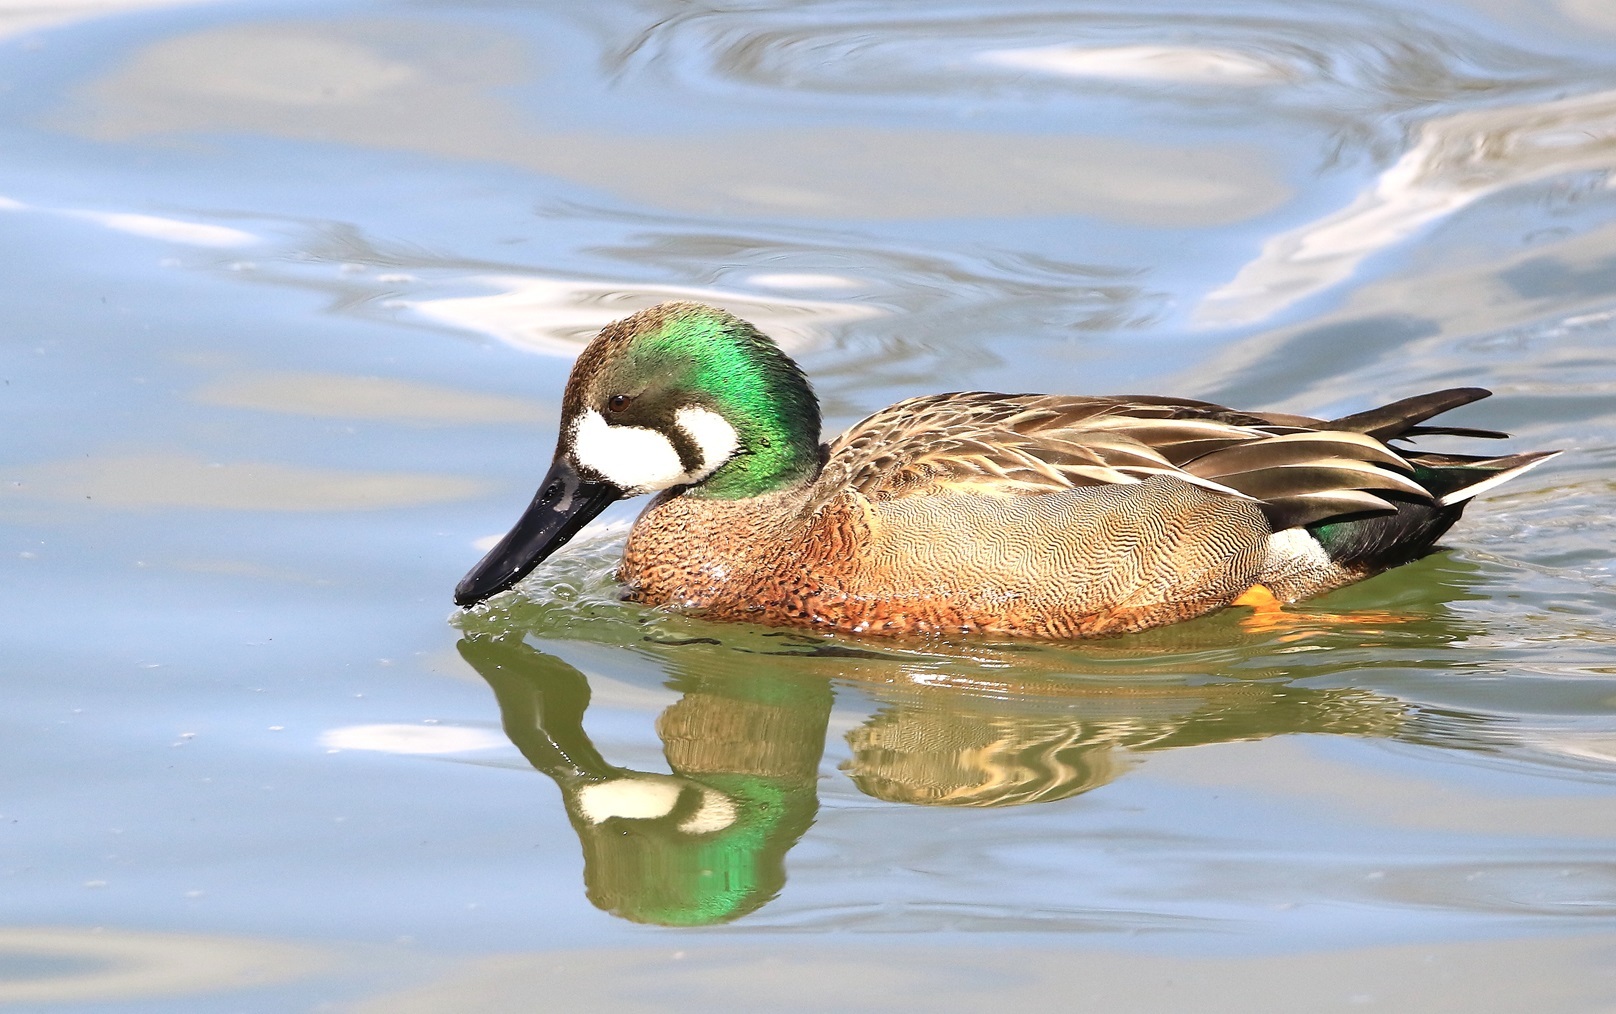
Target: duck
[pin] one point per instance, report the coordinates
(1054, 517)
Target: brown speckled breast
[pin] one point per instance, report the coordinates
(1083, 562)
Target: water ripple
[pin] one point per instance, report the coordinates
(1456, 161)
(1575, 888)
(1347, 59)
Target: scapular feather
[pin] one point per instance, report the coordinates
(1304, 472)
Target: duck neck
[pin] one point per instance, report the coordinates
(778, 450)
(766, 397)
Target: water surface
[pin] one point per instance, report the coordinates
(291, 294)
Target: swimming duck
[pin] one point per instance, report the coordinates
(1048, 516)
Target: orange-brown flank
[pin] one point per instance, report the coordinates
(1081, 562)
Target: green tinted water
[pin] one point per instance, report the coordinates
(290, 297)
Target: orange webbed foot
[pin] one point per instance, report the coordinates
(1268, 615)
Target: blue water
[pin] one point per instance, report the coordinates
(290, 296)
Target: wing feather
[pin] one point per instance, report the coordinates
(1302, 470)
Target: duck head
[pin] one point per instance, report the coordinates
(680, 395)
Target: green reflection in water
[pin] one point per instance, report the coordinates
(705, 845)
(966, 723)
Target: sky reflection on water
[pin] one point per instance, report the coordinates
(291, 295)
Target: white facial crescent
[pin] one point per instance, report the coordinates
(641, 460)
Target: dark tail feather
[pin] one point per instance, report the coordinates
(1454, 479)
(1402, 418)
(1386, 540)
(1453, 431)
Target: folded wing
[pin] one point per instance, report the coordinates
(1301, 470)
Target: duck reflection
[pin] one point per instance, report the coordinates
(934, 748)
(704, 845)
(707, 844)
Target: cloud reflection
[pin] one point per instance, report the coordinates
(350, 397)
(174, 480)
(1180, 64)
(1457, 160)
(410, 739)
(172, 230)
(397, 85)
(558, 317)
(102, 965)
(18, 17)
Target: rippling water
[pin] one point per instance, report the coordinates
(291, 293)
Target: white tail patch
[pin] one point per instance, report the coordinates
(1295, 549)
(1461, 495)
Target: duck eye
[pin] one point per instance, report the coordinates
(618, 402)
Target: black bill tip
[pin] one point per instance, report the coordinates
(565, 502)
